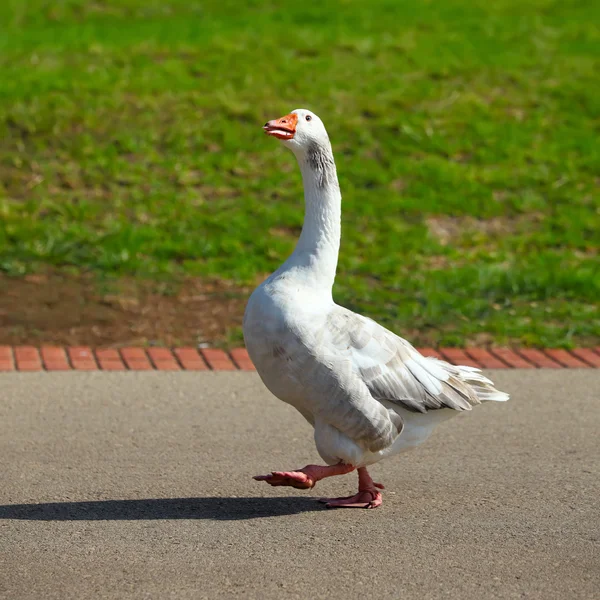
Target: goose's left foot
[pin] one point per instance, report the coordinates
(364, 499)
(304, 478)
(368, 495)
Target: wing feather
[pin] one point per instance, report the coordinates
(394, 371)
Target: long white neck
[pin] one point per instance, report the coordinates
(316, 254)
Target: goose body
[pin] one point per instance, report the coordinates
(367, 392)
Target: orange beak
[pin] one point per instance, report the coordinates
(283, 128)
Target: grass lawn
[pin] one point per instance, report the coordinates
(466, 134)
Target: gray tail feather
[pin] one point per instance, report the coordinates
(483, 387)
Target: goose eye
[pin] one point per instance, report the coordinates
(308, 117)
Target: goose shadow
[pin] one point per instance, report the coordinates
(211, 508)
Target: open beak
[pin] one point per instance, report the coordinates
(283, 128)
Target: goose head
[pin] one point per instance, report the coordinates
(298, 131)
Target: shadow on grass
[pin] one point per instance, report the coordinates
(218, 509)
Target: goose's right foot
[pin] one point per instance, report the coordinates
(305, 478)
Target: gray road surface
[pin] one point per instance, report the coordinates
(139, 486)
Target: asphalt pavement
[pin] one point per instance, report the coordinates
(139, 485)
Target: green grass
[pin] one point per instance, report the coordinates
(466, 134)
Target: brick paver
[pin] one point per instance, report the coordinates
(83, 358)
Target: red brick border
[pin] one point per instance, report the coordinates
(217, 359)
(512, 359)
(457, 356)
(539, 359)
(486, 359)
(7, 362)
(27, 358)
(81, 358)
(587, 355)
(54, 358)
(241, 359)
(110, 360)
(190, 359)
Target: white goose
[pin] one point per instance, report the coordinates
(367, 392)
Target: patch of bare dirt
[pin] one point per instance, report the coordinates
(78, 310)
(448, 229)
